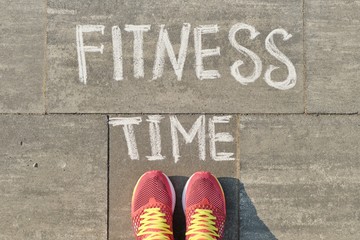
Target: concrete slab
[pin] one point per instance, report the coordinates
(53, 177)
(301, 174)
(102, 94)
(332, 56)
(124, 172)
(22, 52)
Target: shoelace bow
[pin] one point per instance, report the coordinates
(153, 224)
(202, 225)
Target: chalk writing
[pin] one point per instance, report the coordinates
(81, 49)
(164, 46)
(155, 137)
(197, 129)
(290, 81)
(202, 53)
(138, 31)
(128, 126)
(255, 58)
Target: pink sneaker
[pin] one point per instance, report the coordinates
(204, 206)
(152, 207)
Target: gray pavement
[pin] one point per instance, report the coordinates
(53, 177)
(302, 173)
(280, 129)
(22, 53)
(102, 94)
(332, 61)
(125, 170)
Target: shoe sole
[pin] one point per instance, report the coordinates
(173, 194)
(183, 198)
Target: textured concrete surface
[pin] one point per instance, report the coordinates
(22, 56)
(124, 172)
(332, 55)
(167, 95)
(53, 177)
(251, 226)
(302, 175)
(299, 173)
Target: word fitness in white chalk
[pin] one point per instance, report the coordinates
(198, 128)
(164, 47)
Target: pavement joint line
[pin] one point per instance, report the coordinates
(189, 114)
(45, 66)
(238, 166)
(108, 183)
(305, 83)
(238, 163)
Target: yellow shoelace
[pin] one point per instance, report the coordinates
(202, 225)
(153, 223)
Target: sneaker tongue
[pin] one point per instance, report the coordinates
(205, 201)
(203, 204)
(152, 201)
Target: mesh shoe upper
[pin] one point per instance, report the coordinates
(152, 207)
(205, 208)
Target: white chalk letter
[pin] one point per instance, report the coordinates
(81, 49)
(202, 53)
(138, 31)
(197, 128)
(290, 81)
(165, 44)
(255, 58)
(155, 137)
(128, 128)
(219, 137)
(117, 53)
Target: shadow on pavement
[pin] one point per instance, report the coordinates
(247, 226)
(251, 226)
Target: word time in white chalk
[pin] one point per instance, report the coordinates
(203, 130)
(164, 50)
